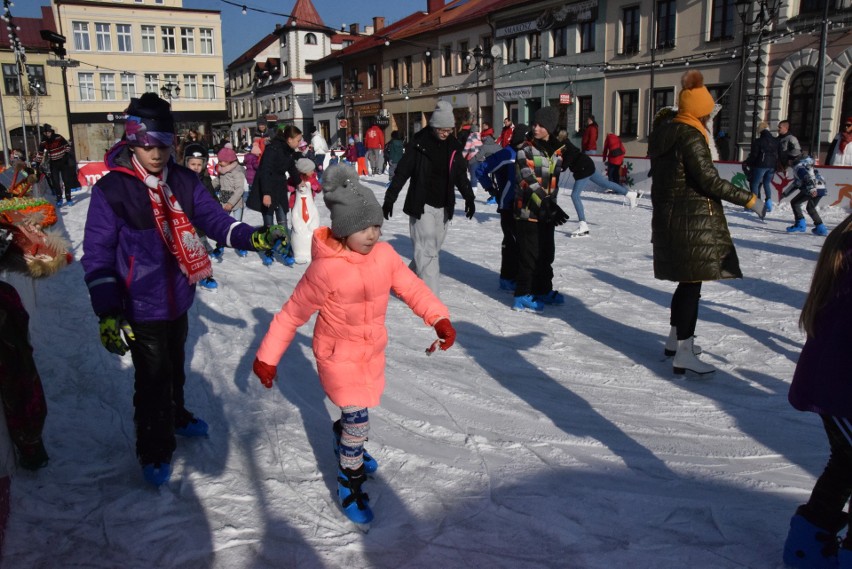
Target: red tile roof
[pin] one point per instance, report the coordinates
(305, 16)
(30, 32)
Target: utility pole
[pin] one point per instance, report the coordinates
(823, 46)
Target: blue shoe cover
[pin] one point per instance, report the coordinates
(527, 303)
(799, 227)
(157, 473)
(820, 230)
(195, 428)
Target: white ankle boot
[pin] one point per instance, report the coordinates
(685, 359)
(671, 344)
(581, 231)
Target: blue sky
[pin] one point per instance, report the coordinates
(241, 32)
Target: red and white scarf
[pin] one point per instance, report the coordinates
(174, 226)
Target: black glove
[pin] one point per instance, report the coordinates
(469, 208)
(550, 212)
(266, 238)
(387, 209)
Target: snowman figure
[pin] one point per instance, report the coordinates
(304, 217)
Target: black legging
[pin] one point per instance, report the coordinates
(684, 309)
(834, 486)
(805, 197)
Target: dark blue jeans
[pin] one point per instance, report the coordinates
(762, 176)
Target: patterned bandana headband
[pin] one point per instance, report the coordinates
(148, 132)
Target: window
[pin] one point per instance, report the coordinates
(168, 34)
(81, 36)
(666, 19)
(587, 37)
(170, 79)
(35, 75)
(319, 91)
(187, 40)
(662, 98)
(149, 40)
(334, 88)
(560, 41)
(811, 7)
(511, 50)
(242, 108)
(208, 87)
(205, 38)
(234, 110)
(535, 45)
(722, 121)
(152, 83)
(629, 114)
(190, 86)
(447, 61)
(461, 62)
(107, 86)
(427, 71)
(393, 74)
(10, 78)
(406, 71)
(124, 37)
(802, 106)
(128, 86)
(630, 30)
(86, 83)
(102, 37)
(722, 25)
(372, 76)
(584, 104)
(310, 39)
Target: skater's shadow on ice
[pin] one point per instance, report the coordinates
(768, 291)
(540, 391)
(785, 250)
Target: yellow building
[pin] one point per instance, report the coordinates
(119, 49)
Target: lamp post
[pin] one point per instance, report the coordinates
(404, 92)
(480, 61)
(352, 86)
(170, 91)
(765, 14)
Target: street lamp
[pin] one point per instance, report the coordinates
(404, 92)
(480, 61)
(351, 86)
(765, 14)
(170, 90)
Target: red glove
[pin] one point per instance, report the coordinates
(265, 372)
(446, 333)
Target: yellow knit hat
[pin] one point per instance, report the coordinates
(694, 98)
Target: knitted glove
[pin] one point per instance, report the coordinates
(469, 208)
(111, 328)
(265, 372)
(446, 335)
(759, 207)
(387, 209)
(266, 238)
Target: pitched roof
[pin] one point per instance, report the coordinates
(30, 32)
(251, 52)
(305, 16)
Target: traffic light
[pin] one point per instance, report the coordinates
(57, 42)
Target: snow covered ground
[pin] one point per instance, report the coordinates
(560, 440)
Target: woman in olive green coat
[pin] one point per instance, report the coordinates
(690, 235)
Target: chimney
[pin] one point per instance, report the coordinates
(354, 29)
(378, 23)
(277, 26)
(434, 5)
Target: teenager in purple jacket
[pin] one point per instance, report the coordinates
(822, 384)
(142, 259)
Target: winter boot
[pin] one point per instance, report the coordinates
(671, 344)
(209, 283)
(820, 230)
(527, 303)
(685, 359)
(507, 284)
(552, 297)
(370, 463)
(810, 546)
(581, 231)
(354, 501)
(194, 428)
(769, 205)
(157, 473)
(799, 227)
(632, 198)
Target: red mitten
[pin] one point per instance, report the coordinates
(265, 372)
(446, 333)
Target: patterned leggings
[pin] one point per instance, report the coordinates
(356, 425)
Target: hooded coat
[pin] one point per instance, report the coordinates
(351, 293)
(277, 166)
(689, 232)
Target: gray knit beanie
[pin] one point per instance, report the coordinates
(442, 116)
(305, 166)
(547, 117)
(353, 207)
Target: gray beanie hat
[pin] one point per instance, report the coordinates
(353, 207)
(442, 116)
(305, 166)
(547, 117)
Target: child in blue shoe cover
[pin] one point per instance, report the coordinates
(822, 384)
(142, 259)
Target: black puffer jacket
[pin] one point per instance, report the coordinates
(689, 232)
(416, 167)
(764, 151)
(277, 169)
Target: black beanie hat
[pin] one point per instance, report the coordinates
(194, 150)
(518, 135)
(148, 118)
(548, 118)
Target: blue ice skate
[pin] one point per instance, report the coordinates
(157, 473)
(194, 428)
(507, 285)
(552, 297)
(370, 463)
(527, 303)
(209, 284)
(809, 546)
(799, 227)
(355, 502)
(820, 230)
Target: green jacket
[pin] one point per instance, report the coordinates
(689, 232)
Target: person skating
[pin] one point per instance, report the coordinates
(55, 152)
(810, 185)
(142, 260)
(690, 235)
(349, 282)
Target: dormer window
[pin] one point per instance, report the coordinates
(310, 39)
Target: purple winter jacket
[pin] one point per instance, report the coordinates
(822, 382)
(128, 268)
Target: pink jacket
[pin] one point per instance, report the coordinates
(351, 293)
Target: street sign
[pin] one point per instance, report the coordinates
(63, 63)
(342, 123)
(564, 98)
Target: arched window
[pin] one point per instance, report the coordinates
(801, 111)
(310, 39)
